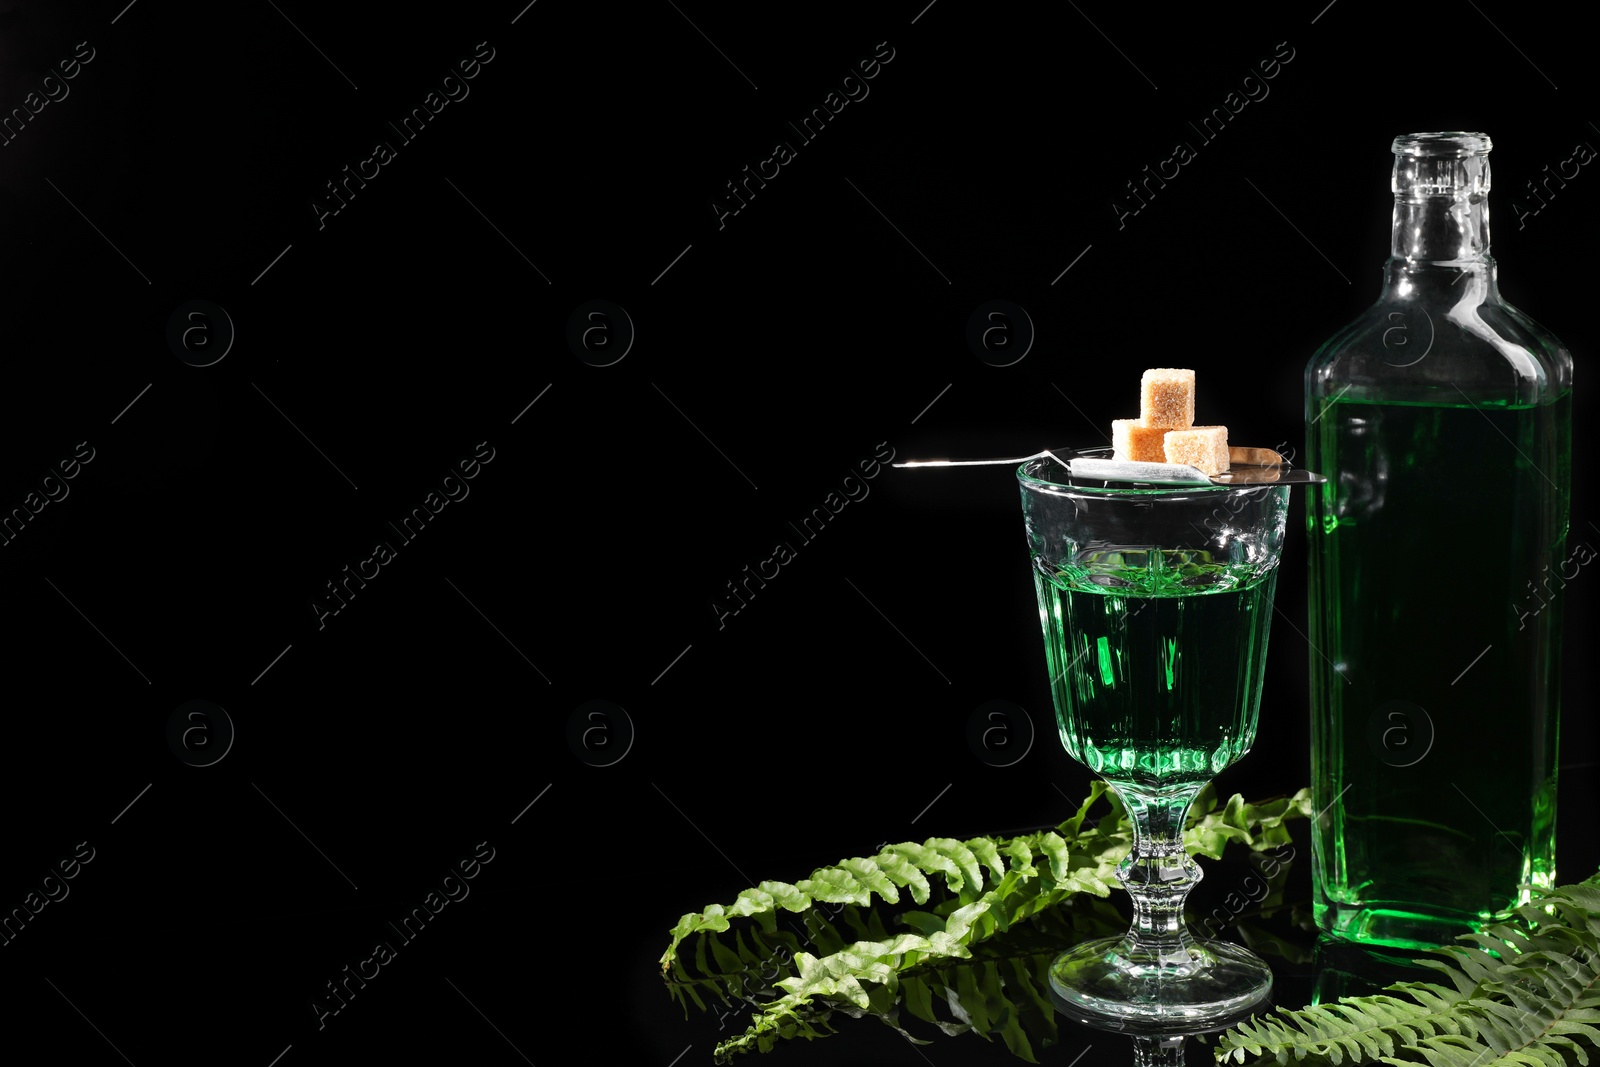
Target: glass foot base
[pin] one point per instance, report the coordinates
(1207, 983)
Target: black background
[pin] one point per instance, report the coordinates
(773, 353)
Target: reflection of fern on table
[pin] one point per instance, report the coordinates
(995, 913)
(1523, 993)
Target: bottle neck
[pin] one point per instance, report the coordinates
(1439, 247)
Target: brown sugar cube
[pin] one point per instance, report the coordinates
(1205, 447)
(1134, 442)
(1166, 398)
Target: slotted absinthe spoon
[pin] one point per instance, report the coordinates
(1247, 465)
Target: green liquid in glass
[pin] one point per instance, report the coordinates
(1423, 545)
(1156, 661)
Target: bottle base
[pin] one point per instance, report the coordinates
(1395, 926)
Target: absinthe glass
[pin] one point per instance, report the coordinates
(1155, 606)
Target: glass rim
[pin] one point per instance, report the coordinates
(1444, 144)
(1129, 492)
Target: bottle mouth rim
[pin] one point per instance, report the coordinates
(1450, 144)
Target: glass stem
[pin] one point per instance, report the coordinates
(1158, 1051)
(1158, 874)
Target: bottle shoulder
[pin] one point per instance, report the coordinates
(1436, 351)
(1518, 327)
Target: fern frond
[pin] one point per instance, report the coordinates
(1358, 1029)
(840, 976)
(1079, 861)
(991, 885)
(1523, 993)
(960, 865)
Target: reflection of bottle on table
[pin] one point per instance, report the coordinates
(1348, 970)
(1442, 418)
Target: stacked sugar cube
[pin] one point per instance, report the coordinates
(1165, 431)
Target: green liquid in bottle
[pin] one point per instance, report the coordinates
(1433, 701)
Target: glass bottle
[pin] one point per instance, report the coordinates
(1442, 419)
